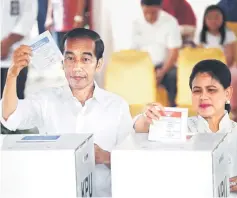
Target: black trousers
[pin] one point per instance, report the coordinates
(170, 83)
(21, 81)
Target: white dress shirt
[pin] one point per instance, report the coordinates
(157, 38)
(198, 124)
(55, 110)
(17, 17)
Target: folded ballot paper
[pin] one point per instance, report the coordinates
(45, 52)
(171, 127)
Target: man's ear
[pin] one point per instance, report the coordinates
(63, 66)
(99, 65)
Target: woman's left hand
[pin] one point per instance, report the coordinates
(233, 184)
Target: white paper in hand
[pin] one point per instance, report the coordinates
(45, 52)
(172, 127)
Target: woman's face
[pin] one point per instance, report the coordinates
(214, 20)
(209, 96)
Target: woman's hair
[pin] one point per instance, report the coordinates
(222, 29)
(217, 70)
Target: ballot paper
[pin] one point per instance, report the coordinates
(45, 52)
(171, 127)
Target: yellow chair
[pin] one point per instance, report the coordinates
(233, 26)
(130, 74)
(162, 96)
(136, 109)
(188, 57)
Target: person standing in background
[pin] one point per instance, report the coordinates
(18, 18)
(63, 16)
(42, 12)
(230, 9)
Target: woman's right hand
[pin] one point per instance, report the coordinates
(21, 59)
(152, 112)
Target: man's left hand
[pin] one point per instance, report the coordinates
(5, 48)
(101, 156)
(233, 184)
(159, 75)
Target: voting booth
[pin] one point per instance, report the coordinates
(193, 169)
(36, 166)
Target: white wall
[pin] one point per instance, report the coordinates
(123, 12)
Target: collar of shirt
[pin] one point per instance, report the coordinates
(224, 126)
(97, 94)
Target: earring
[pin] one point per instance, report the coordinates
(227, 102)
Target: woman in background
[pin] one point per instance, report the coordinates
(215, 34)
(210, 83)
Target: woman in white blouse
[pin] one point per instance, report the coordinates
(215, 34)
(211, 92)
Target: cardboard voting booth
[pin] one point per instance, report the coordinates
(195, 169)
(36, 166)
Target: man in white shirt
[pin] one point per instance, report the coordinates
(158, 33)
(17, 20)
(81, 107)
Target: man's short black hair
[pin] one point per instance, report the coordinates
(86, 33)
(151, 2)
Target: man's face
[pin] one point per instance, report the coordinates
(80, 63)
(151, 13)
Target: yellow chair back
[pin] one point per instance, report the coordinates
(232, 26)
(130, 74)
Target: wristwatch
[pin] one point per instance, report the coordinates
(78, 18)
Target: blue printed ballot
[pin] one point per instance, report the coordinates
(45, 52)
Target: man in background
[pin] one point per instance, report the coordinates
(18, 18)
(158, 33)
(42, 12)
